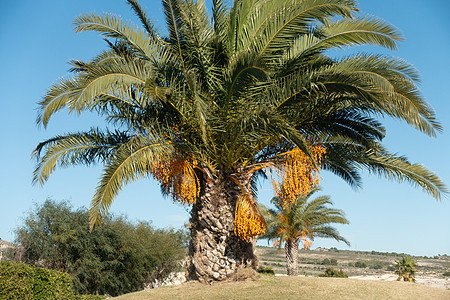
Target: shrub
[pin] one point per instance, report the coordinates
(266, 270)
(377, 266)
(390, 268)
(331, 272)
(244, 274)
(446, 274)
(360, 264)
(23, 281)
(327, 261)
(117, 257)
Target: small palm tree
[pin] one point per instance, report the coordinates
(406, 269)
(302, 220)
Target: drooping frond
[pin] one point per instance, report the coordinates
(81, 92)
(74, 149)
(131, 162)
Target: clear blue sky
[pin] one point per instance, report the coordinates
(37, 40)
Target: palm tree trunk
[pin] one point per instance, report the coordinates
(215, 252)
(291, 249)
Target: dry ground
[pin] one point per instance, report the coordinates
(283, 287)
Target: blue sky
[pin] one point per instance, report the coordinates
(37, 40)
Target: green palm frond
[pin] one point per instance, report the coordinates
(81, 148)
(172, 11)
(399, 168)
(130, 162)
(292, 20)
(312, 216)
(80, 93)
(220, 17)
(111, 26)
(145, 21)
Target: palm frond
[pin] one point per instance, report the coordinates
(111, 26)
(129, 163)
(84, 148)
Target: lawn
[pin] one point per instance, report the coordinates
(283, 287)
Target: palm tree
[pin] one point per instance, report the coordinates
(217, 103)
(406, 269)
(301, 221)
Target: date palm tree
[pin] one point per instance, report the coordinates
(406, 269)
(301, 221)
(218, 102)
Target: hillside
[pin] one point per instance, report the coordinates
(359, 264)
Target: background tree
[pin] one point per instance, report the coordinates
(302, 221)
(406, 269)
(221, 101)
(118, 258)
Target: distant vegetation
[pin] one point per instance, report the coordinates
(266, 270)
(406, 269)
(118, 257)
(331, 272)
(299, 221)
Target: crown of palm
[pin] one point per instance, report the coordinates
(303, 219)
(235, 92)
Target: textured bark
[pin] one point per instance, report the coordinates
(291, 249)
(215, 252)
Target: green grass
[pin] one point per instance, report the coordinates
(271, 287)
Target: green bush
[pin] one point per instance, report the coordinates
(22, 281)
(446, 274)
(360, 264)
(266, 270)
(390, 268)
(327, 261)
(331, 272)
(377, 266)
(117, 257)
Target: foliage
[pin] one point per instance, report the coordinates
(116, 258)
(303, 220)
(266, 270)
(406, 269)
(360, 264)
(331, 272)
(23, 281)
(446, 274)
(233, 96)
(377, 266)
(327, 261)
(390, 268)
